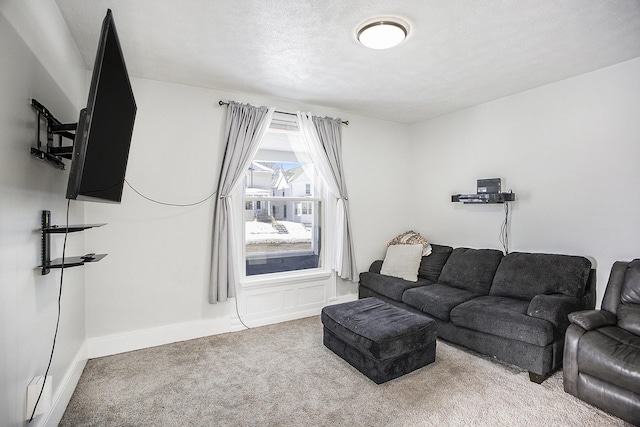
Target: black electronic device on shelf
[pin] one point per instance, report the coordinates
(488, 191)
(102, 136)
(73, 261)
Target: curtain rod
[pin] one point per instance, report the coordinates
(221, 103)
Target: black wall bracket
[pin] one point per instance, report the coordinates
(75, 261)
(52, 153)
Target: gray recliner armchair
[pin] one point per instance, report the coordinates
(602, 347)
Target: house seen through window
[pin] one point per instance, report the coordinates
(283, 206)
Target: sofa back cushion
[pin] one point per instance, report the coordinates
(525, 275)
(629, 308)
(431, 265)
(471, 269)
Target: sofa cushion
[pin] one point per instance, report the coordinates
(629, 318)
(390, 287)
(504, 317)
(436, 300)
(629, 308)
(431, 266)
(378, 329)
(613, 355)
(525, 275)
(471, 269)
(402, 261)
(631, 286)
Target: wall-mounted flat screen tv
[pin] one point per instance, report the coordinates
(103, 136)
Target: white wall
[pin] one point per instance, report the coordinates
(152, 287)
(378, 180)
(36, 54)
(568, 150)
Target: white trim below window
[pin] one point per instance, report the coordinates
(298, 276)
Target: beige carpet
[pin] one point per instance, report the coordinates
(282, 375)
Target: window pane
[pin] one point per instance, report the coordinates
(282, 228)
(274, 246)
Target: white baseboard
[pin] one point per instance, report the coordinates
(255, 321)
(145, 338)
(63, 394)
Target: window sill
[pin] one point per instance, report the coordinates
(279, 254)
(300, 276)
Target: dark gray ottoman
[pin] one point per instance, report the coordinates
(380, 340)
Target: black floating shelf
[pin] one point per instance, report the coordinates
(74, 261)
(71, 228)
(484, 198)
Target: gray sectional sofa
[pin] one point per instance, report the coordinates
(514, 308)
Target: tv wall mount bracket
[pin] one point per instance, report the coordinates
(52, 153)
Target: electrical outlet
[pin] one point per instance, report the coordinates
(33, 391)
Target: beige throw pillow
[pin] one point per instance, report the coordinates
(402, 261)
(412, 238)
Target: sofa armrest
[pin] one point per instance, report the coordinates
(554, 308)
(376, 266)
(593, 319)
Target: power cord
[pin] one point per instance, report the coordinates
(55, 335)
(186, 205)
(238, 314)
(170, 204)
(504, 229)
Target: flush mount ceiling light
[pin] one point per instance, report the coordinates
(382, 33)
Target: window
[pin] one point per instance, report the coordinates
(304, 208)
(282, 230)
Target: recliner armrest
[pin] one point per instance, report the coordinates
(593, 319)
(554, 308)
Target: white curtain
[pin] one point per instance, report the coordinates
(324, 139)
(246, 125)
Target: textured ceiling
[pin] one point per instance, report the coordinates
(459, 53)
